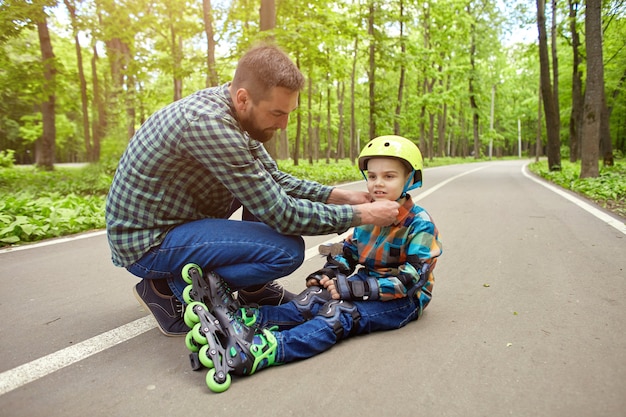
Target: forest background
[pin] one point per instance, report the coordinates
(78, 77)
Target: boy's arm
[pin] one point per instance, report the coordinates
(423, 250)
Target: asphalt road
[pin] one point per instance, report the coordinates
(527, 319)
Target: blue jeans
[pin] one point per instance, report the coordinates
(300, 339)
(243, 253)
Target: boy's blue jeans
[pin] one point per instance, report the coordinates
(300, 339)
(243, 253)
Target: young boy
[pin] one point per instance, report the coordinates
(390, 289)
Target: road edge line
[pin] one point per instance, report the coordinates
(608, 219)
(41, 367)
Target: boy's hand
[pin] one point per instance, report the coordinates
(329, 284)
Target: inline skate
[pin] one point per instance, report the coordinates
(224, 336)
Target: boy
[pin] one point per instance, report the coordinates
(392, 287)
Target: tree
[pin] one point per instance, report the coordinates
(45, 147)
(547, 93)
(577, 95)
(472, 88)
(82, 81)
(594, 91)
(207, 16)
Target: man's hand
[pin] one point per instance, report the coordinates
(378, 213)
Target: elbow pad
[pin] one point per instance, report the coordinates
(356, 289)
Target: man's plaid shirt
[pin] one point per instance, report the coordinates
(188, 161)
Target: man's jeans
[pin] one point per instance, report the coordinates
(301, 339)
(243, 253)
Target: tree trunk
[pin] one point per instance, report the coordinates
(212, 78)
(341, 89)
(594, 90)
(45, 147)
(355, 146)
(538, 146)
(329, 139)
(472, 93)
(267, 14)
(267, 21)
(442, 119)
(549, 105)
(575, 120)
(83, 83)
(177, 56)
(396, 121)
(283, 145)
(98, 123)
(555, 67)
(372, 70)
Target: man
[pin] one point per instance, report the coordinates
(174, 187)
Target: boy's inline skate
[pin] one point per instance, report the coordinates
(224, 336)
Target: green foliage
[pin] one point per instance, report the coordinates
(71, 200)
(51, 203)
(7, 158)
(48, 216)
(608, 190)
(333, 173)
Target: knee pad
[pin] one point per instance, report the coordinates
(309, 301)
(332, 311)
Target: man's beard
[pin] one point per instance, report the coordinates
(262, 135)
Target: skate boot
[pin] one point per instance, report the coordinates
(209, 289)
(227, 342)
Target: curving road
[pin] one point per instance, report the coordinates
(527, 319)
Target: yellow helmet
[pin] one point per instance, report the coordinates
(394, 147)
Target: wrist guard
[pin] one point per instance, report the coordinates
(356, 289)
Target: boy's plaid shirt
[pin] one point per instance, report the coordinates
(410, 247)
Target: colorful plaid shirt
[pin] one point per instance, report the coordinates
(188, 161)
(398, 256)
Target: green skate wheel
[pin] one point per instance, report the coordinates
(204, 358)
(198, 337)
(214, 385)
(185, 272)
(187, 294)
(190, 343)
(190, 316)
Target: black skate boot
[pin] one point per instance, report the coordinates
(227, 342)
(209, 289)
(270, 294)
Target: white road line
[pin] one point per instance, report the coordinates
(52, 242)
(611, 221)
(39, 368)
(31, 371)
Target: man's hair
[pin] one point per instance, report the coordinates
(264, 67)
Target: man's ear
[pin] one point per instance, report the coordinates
(242, 99)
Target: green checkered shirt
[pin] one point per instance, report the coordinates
(188, 161)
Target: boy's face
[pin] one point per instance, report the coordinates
(386, 178)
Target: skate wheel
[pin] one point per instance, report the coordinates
(190, 343)
(186, 274)
(204, 357)
(197, 335)
(214, 385)
(190, 316)
(187, 294)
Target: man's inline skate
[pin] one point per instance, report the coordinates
(224, 336)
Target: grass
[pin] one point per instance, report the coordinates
(36, 205)
(608, 190)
